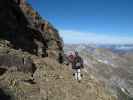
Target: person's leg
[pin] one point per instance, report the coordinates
(78, 74)
(74, 72)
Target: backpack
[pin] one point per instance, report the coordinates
(78, 63)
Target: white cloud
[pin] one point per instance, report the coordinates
(72, 36)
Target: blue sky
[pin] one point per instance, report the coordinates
(89, 21)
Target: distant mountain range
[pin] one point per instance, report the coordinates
(116, 48)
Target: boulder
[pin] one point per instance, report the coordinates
(11, 62)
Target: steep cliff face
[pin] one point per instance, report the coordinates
(26, 30)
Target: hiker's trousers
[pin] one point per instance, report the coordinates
(77, 74)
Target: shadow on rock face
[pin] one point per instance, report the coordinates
(14, 27)
(4, 96)
(2, 71)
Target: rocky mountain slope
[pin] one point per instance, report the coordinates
(29, 51)
(50, 81)
(25, 28)
(112, 68)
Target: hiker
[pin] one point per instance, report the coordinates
(77, 65)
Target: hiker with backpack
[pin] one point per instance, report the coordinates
(77, 64)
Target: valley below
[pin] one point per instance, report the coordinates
(110, 64)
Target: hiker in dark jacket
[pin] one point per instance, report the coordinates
(77, 65)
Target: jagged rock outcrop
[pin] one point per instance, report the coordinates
(15, 60)
(26, 30)
(11, 62)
